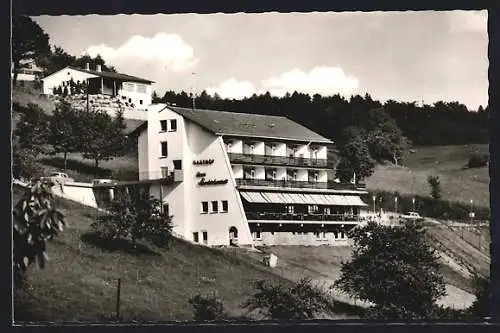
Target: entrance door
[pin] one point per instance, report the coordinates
(233, 236)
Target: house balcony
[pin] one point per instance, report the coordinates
(271, 216)
(277, 160)
(149, 177)
(297, 184)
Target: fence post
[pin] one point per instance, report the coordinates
(118, 300)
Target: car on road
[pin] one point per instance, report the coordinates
(414, 216)
(59, 177)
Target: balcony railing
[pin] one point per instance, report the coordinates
(297, 184)
(302, 217)
(162, 176)
(278, 160)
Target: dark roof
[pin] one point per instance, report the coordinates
(132, 125)
(112, 75)
(250, 125)
(244, 125)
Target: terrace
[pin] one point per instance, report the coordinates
(298, 184)
(278, 160)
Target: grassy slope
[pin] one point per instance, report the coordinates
(447, 162)
(79, 282)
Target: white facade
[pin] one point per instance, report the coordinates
(64, 75)
(189, 143)
(214, 214)
(138, 93)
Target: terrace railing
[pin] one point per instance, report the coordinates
(278, 160)
(297, 184)
(302, 217)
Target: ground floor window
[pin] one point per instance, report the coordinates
(257, 235)
(317, 234)
(196, 237)
(205, 237)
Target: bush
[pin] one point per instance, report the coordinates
(478, 161)
(301, 301)
(207, 307)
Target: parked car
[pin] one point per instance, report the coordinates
(412, 216)
(102, 181)
(59, 177)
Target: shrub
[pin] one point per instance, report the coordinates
(435, 186)
(478, 161)
(207, 307)
(301, 301)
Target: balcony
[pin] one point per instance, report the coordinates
(256, 216)
(126, 178)
(297, 184)
(277, 160)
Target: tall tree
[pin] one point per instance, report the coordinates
(394, 268)
(65, 130)
(355, 159)
(102, 136)
(29, 41)
(32, 129)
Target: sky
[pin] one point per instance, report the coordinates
(405, 56)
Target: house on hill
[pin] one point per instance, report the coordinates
(28, 71)
(243, 179)
(129, 89)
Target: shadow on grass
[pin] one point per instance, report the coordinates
(117, 245)
(75, 165)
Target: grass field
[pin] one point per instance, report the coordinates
(79, 282)
(448, 162)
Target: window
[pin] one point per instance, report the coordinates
(205, 237)
(257, 235)
(196, 237)
(164, 172)
(315, 153)
(215, 206)
(252, 174)
(141, 88)
(290, 209)
(163, 125)
(324, 235)
(177, 164)
(173, 125)
(204, 207)
(251, 149)
(164, 149)
(165, 209)
(224, 206)
(274, 174)
(130, 100)
(326, 211)
(317, 234)
(140, 101)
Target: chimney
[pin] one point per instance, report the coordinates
(87, 66)
(98, 68)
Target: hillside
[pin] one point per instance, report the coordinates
(79, 282)
(448, 162)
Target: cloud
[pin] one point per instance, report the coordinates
(233, 88)
(320, 80)
(471, 21)
(169, 50)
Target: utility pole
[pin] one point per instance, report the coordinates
(192, 90)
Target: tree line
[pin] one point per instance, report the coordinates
(442, 123)
(95, 134)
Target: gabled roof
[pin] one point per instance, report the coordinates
(110, 75)
(250, 125)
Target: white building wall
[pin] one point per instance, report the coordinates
(142, 152)
(297, 238)
(205, 145)
(260, 172)
(280, 173)
(303, 150)
(237, 147)
(322, 152)
(259, 148)
(280, 149)
(302, 175)
(238, 171)
(135, 96)
(64, 75)
(322, 176)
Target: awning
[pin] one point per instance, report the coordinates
(303, 199)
